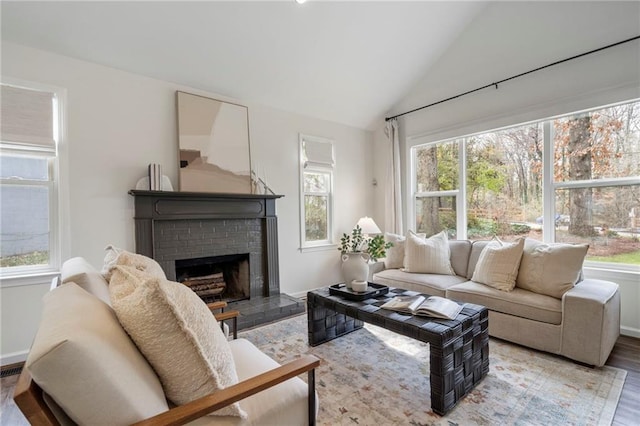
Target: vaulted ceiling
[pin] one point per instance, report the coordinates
(348, 62)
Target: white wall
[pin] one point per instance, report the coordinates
(119, 122)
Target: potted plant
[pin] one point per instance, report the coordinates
(356, 249)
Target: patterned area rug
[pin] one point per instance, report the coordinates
(376, 377)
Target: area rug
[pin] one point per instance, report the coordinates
(376, 377)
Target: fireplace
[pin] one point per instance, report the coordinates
(216, 278)
(195, 237)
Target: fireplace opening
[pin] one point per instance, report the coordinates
(216, 278)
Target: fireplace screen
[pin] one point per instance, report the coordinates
(216, 277)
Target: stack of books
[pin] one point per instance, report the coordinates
(155, 177)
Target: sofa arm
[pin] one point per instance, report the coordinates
(590, 321)
(183, 414)
(374, 268)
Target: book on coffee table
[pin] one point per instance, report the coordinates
(432, 306)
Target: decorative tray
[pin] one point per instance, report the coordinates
(373, 290)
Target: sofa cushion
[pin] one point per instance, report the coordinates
(395, 254)
(550, 269)
(117, 256)
(430, 255)
(283, 404)
(432, 284)
(498, 264)
(84, 360)
(519, 302)
(177, 334)
(81, 272)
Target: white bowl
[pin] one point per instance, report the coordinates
(359, 286)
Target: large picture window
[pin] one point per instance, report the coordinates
(574, 178)
(28, 181)
(316, 191)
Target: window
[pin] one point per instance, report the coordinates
(437, 188)
(316, 191)
(574, 178)
(504, 183)
(596, 174)
(28, 181)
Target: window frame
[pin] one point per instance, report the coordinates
(316, 168)
(549, 185)
(56, 156)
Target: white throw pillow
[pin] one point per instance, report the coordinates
(428, 256)
(176, 333)
(116, 256)
(395, 254)
(82, 357)
(550, 269)
(498, 264)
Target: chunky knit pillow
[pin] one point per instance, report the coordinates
(177, 334)
(116, 256)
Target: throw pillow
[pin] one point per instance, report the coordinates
(395, 254)
(428, 256)
(117, 256)
(83, 358)
(176, 332)
(498, 264)
(550, 269)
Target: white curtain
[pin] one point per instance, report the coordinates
(393, 196)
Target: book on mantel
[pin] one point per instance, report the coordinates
(432, 306)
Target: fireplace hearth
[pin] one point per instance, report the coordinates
(195, 237)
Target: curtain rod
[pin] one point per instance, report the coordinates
(515, 76)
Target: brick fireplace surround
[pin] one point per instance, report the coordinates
(171, 226)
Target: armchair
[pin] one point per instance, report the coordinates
(30, 398)
(84, 368)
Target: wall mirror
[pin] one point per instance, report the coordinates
(213, 139)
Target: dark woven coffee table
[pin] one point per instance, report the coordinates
(459, 349)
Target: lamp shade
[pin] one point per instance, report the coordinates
(368, 226)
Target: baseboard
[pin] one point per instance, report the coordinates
(13, 358)
(299, 295)
(630, 331)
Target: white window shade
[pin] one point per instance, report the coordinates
(26, 117)
(318, 154)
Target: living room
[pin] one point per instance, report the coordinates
(121, 116)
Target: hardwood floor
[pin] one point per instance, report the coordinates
(625, 355)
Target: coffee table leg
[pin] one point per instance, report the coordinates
(324, 323)
(459, 365)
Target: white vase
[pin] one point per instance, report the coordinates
(355, 266)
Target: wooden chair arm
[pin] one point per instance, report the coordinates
(28, 397)
(216, 305)
(207, 404)
(226, 315)
(221, 316)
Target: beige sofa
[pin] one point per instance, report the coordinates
(84, 368)
(582, 325)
